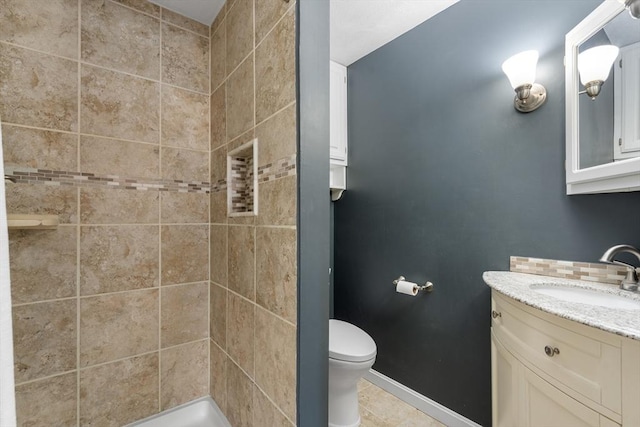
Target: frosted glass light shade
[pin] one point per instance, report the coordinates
(521, 68)
(595, 64)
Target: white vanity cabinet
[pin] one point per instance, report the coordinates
(548, 371)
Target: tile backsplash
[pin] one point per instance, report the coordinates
(592, 272)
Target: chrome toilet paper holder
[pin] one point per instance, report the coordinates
(427, 287)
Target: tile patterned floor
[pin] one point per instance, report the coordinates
(381, 409)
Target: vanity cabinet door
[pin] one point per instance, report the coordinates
(543, 405)
(505, 370)
(520, 398)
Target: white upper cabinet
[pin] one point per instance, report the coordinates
(338, 113)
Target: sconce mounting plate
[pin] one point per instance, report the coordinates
(537, 97)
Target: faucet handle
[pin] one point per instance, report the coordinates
(629, 283)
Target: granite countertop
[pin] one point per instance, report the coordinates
(517, 286)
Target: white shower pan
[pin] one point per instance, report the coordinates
(198, 413)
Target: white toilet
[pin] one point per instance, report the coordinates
(351, 353)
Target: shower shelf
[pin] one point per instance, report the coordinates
(33, 222)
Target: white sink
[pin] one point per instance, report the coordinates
(587, 296)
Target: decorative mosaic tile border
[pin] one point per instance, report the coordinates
(591, 272)
(278, 169)
(22, 175)
(81, 179)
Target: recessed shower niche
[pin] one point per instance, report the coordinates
(242, 180)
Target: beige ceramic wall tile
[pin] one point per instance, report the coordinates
(240, 97)
(114, 157)
(218, 205)
(190, 208)
(218, 56)
(276, 282)
(185, 373)
(219, 165)
(184, 314)
(219, 19)
(44, 339)
(185, 59)
(108, 206)
(240, 331)
(265, 413)
(239, 25)
(219, 259)
(218, 380)
(119, 393)
(185, 119)
(38, 90)
(218, 119)
(40, 402)
(142, 5)
(119, 105)
(185, 254)
(50, 26)
(277, 136)
(40, 149)
(121, 38)
(184, 22)
(218, 315)
(267, 15)
(118, 258)
(239, 397)
(186, 165)
(278, 202)
(276, 69)
(45, 200)
(276, 360)
(43, 264)
(118, 325)
(242, 139)
(242, 260)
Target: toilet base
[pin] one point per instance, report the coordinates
(343, 391)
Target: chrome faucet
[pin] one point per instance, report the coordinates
(629, 283)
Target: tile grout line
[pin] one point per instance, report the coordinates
(113, 138)
(255, 240)
(160, 198)
(79, 214)
(107, 137)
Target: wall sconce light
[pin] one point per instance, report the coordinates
(521, 71)
(594, 66)
(633, 6)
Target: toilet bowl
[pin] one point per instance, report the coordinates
(351, 353)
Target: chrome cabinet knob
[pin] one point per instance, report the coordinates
(551, 351)
(495, 314)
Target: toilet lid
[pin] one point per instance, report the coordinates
(349, 343)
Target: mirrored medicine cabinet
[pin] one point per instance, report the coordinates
(603, 131)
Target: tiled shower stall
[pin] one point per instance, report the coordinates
(117, 116)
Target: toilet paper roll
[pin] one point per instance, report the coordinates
(408, 288)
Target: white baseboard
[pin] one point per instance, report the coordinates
(435, 410)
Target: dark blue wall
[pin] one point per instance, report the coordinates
(446, 180)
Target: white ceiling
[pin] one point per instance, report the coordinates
(203, 11)
(358, 27)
